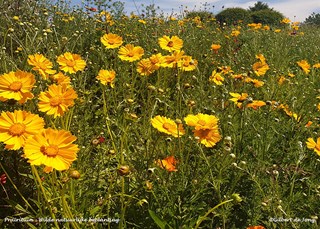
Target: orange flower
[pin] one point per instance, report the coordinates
(256, 227)
(215, 47)
(256, 104)
(169, 163)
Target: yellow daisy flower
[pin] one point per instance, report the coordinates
(145, 67)
(106, 77)
(187, 63)
(41, 64)
(304, 65)
(170, 44)
(311, 144)
(216, 78)
(61, 79)
(52, 148)
(17, 126)
(130, 53)
(71, 63)
(17, 85)
(206, 128)
(111, 41)
(168, 126)
(56, 100)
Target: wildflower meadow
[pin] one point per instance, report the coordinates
(112, 120)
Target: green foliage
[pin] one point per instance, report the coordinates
(259, 6)
(313, 19)
(267, 17)
(232, 16)
(204, 15)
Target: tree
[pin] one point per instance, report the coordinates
(267, 17)
(313, 19)
(259, 6)
(233, 16)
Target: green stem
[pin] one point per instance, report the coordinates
(15, 187)
(39, 182)
(201, 219)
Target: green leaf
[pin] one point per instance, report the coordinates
(95, 210)
(31, 225)
(18, 207)
(162, 224)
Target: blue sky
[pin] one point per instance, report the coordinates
(296, 10)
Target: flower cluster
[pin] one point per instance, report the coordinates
(206, 128)
(24, 130)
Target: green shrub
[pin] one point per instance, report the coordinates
(204, 15)
(313, 19)
(233, 16)
(268, 17)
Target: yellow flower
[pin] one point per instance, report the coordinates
(106, 77)
(71, 63)
(255, 104)
(304, 65)
(130, 52)
(111, 40)
(171, 44)
(317, 65)
(238, 98)
(187, 63)
(235, 33)
(257, 83)
(41, 64)
(52, 148)
(168, 126)
(145, 67)
(206, 128)
(260, 68)
(56, 100)
(142, 21)
(216, 78)
(311, 144)
(156, 60)
(277, 30)
(61, 79)
(17, 126)
(285, 21)
(17, 85)
(172, 60)
(261, 58)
